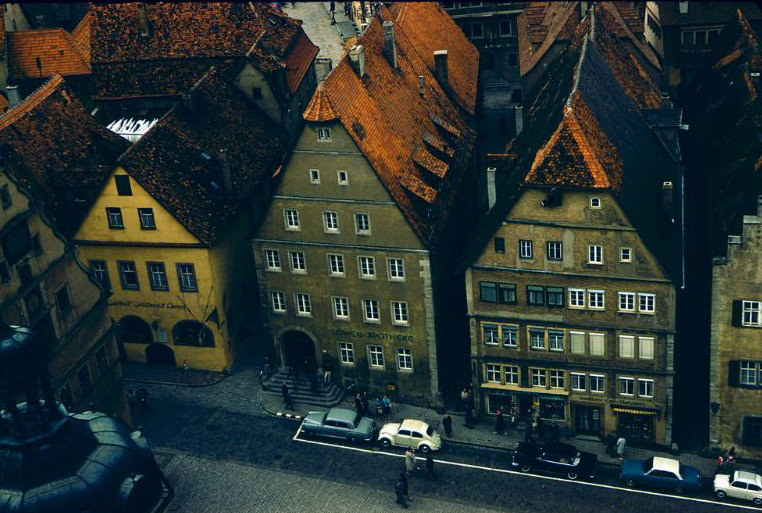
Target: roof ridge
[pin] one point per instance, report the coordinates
(578, 68)
(591, 158)
(73, 44)
(31, 101)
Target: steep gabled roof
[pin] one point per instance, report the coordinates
(81, 35)
(180, 161)
(41, 53)
(416, 19)
(584, 130)
(395, 126)
(319, 108)
(58, 152)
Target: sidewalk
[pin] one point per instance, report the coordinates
(160, 375)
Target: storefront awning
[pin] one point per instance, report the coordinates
(634, 411)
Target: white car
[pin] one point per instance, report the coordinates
(741, 485)
(410, 433)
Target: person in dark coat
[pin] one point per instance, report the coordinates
(447, 423)
(528, 429)
(540, 429)
(499, 423)
(359, 404)
(430, 466)
(399, 491)
(610, 442)
(469, 418)
(287, 399)
(553, 432)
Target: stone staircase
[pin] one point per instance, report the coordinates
(301, 390)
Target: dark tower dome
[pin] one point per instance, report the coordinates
(53, 461)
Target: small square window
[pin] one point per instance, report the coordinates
(491, 334)
(396, 269)
(625, 254)
(186, 274)
(595, 202)
(362, 224)
(555, 250)
(5, 197)
(404, 359)
(331, 222)
(147, 221)
(626, 386)
(499, 245)
(535, 295)
(341, 308)
(123, 187)
(303, 306)
(298, 262)
(157, 276)
(596, 299)
(346, 353)
(115, 221)
(343, 177)
(595, 254)
(291, 217)
(323, 134)
(272, 259)
(376, 357)
(646, 348)
(647, 303)
(370, 310)
(597, 383)
(278, 301)
(128, 275)
(626, 346)
(555, 296)
(399, 313)
(367, 267)
(506, 293)
(335, 265)
(315, 176)
(525, 249)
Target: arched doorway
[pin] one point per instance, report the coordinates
(134, 330)
(192, 333)
(160, 354)
(298, 348)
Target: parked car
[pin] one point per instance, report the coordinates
(410, 433)
(339, 423)
(739, 484)
(555, 458)
(660, 473)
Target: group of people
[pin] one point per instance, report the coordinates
(615, 446)
(401, 486)
(467, 398)
(383, 405)
(726, 462)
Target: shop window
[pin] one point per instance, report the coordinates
(192, 333)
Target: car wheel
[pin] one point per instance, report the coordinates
(385, 443)
(679, 489)
(630, 483)
(757, 501)
(572, 475)
(425, 449)
(721, 494)
(525, 467)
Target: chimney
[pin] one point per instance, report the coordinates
(440, 68)
(491, 194)
(754, 78)
(225, 171)
(666, 197)
(420, 85)
(518, 111)
(390, 48)
(357, 59)
(143, 23)
(12, 92)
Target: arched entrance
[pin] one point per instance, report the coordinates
(298, 350)
(160, 354)
(134, 330)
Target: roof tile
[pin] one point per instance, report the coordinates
(319, 108)
(44, 52)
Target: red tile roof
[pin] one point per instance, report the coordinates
(178, 161)
(299, 60)
(81, 35)
(58, 152)
(44, 52)
(319, 108)
(416, 20)
(394, 126)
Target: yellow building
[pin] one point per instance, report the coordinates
(169, 231)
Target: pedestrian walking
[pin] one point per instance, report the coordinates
(447, 423)
(720, 464)
(267, 367)
(287, 399)
(365, 407)
(499, 422)
(553, 432)
(540, 429)
(262, 379)
(410, 461)
(358, 404)
(399, 491)
(610, 442)
(379, 407)
(469, 418)
(327, 373)
(528, 429)
(730, 460)
(387, 404)
(430, 466)
(464, 398)
(621, 445)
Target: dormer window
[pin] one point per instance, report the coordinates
(595, 202)
(343, 177)
(323, 134)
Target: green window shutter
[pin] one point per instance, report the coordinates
(737, 312)
(734, 370)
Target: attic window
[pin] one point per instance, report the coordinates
(595, 202)
(323, 134)
(123, 187)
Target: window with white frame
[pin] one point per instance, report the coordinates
(343, 178)
(298, 261)
(555, 250)
(335, 264)
(556, 340)
(491, 334)
(404, 359)
(626, 301)
(346, 353)
(278, 301)
(647, 303)
(597, 344)
(597, 383)
(370, 309)
(626, 346)
(330, 222)
(748, 373)
(539, 377)
(511, 375)
(493, 373)
(367, 267)
(595, 299)
(537, 338)
(314, 176)
(362, 223)
(323, 134)
(376, 357)
(577, 342)
(399, 313)
(626, 386)
(340, 308)
(751, 313)
(595, 202)
(291, 216)
(576, 298)
(625, 254)
(303, 306)
(557, 379)
(595, 254)
(578, 381)
(509, 335)
(646, 387)
(525, 249)
(272, 259)
(646, 348)
(396, 269)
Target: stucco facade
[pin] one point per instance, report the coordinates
(736, 343)
(586, 344)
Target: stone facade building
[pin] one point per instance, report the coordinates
(571, 284)
(352, 254)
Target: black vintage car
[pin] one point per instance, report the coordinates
(554, 458)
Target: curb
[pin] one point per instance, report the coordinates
(279, 414)
(174, 383)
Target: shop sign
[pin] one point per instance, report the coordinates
(144, 304)
(371, 335)
(590, 400)
(639, 404)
